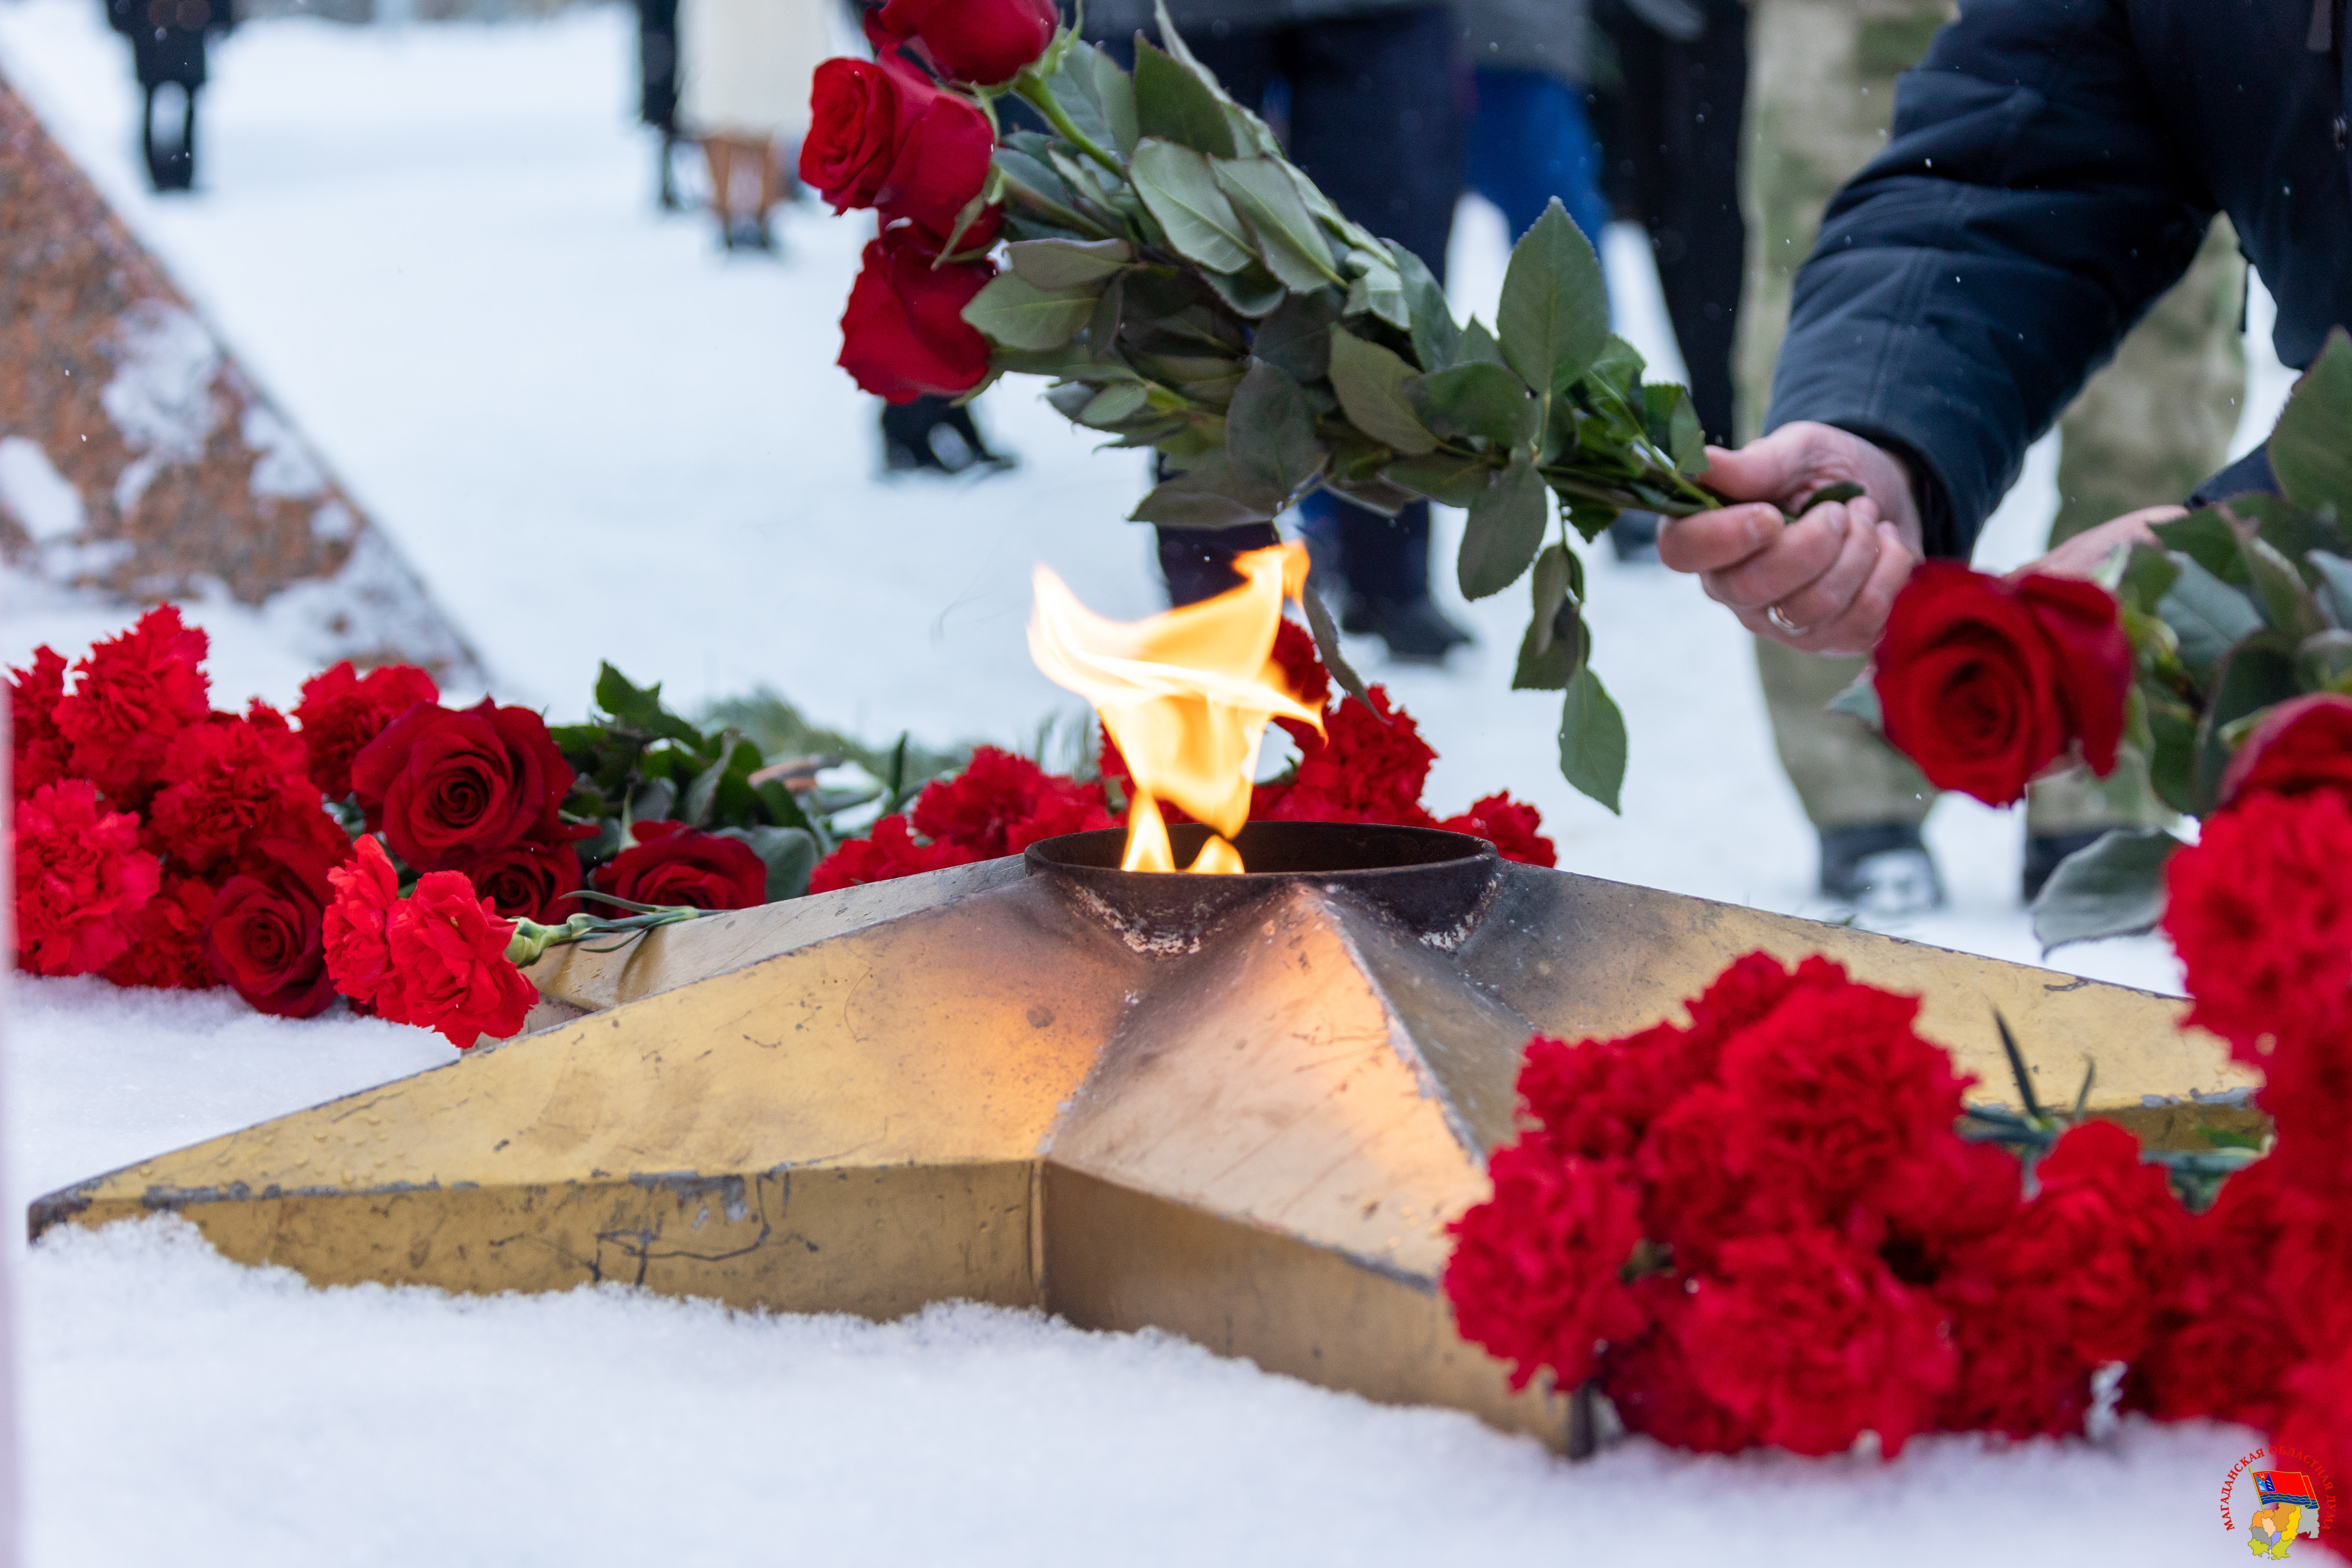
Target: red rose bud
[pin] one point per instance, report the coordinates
(267, 934)
(448, 787)
(1984, 683)
(672, 865)
(528, 881)
(449, 951)
(2303, 744)
(342, 711)
(980, 41)
(81, 879)
(904, 335)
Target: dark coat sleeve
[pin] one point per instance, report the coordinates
(2029, 210)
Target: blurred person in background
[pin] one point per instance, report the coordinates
(1529, 139)
(2144, 430)
(744, 71)
(658, 90)
(1367, 101)
(168, 40)
(937, 435)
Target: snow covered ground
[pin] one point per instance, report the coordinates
(596, 437)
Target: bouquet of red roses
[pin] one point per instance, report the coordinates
(1189, 290)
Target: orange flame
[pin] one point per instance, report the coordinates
(1184, 695)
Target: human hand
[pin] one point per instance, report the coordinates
(1832, 573)
(2083, 555)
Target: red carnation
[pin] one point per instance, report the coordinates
(448, 787)
(2222, 1349)
(1652, 1387)
(136, 693)
(903, 335)
(2310, 1269)
(1598, 1097)
(531, 880)
(39, 749)
(2260, 909)
(1984, 682)
(980, 41)
(1535, 1275)
(355, 929)
(266, 936)
(81, 879)
(1513, 827)
(1294, 655)
(2101, 1241)
(1001, 804)
(2316, 1430)
(2018, 1374)
(167, 947)
(230, 783)
(2300, 745)
(888, 852)
(448, 949)
(674, 863)
(1812, 1341)
(1370, 767)
(342, 711)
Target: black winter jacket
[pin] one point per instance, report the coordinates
(2054, 164)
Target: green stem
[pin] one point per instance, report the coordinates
(1039, 96)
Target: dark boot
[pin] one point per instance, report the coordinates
(1880, 868)
(171, 163)
(935, 435)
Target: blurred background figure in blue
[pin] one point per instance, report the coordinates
(1530, 138)
(658, 90)
(744, 71)
(1367, 98)
(168, 41)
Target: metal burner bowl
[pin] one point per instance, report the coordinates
(1433, 882)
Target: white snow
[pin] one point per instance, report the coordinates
(42, 500)
(595, 437)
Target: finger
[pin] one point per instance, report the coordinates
(1858, 629)
(1823, 600)
(1712, 541)
(1764, 469)
(1802, 551)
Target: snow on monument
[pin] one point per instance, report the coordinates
(140, 462)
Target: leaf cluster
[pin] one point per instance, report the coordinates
(1190, 291)
(2242, 606)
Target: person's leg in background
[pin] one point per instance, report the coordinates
(1820, 94)
(1377, 122)
(1698, 229)
(1529, 141)
(2148, 428)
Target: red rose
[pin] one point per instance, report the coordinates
(136, 692)
(854, 132)
(167, 947)
(673, 863)
(266, 937)
(904, 335)
(1001, 805)
(1513, 827)
(448, 787)
(2260, 909)
(528, 881)
(448, 953)
(355, 929)
(38, 749)
(884, 139)
(342, 711)
(980, 41)
(81, 879)
(1984, 683)
(230, 783)
(2300, 745)
(1534, 1272)
(1812, 1343)
(887, 853)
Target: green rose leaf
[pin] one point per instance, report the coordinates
(1270, 438)
(1505, 529)
(1554, 317)
(2324, 661)
(1371, 383)
(1287, 237)
(1475, 399)
(2311, 449)
(1557, 642)
(1015, 312)
(2207, 614)
(1252, 292)
(2256, 675)
(1296, 335)
(1674, 427)
(788, 853)
(1435, 338)
(1176, 102)
(1327, 646)
(1592, 739)
(1454, 481)
(1377, 291)
(2336, 572)
(1478, 343)
(2113, 888)
(1053, 264)
(1181, 191)
(1208, 494)
(2208, 537)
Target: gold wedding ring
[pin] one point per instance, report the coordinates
(1774, 614)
